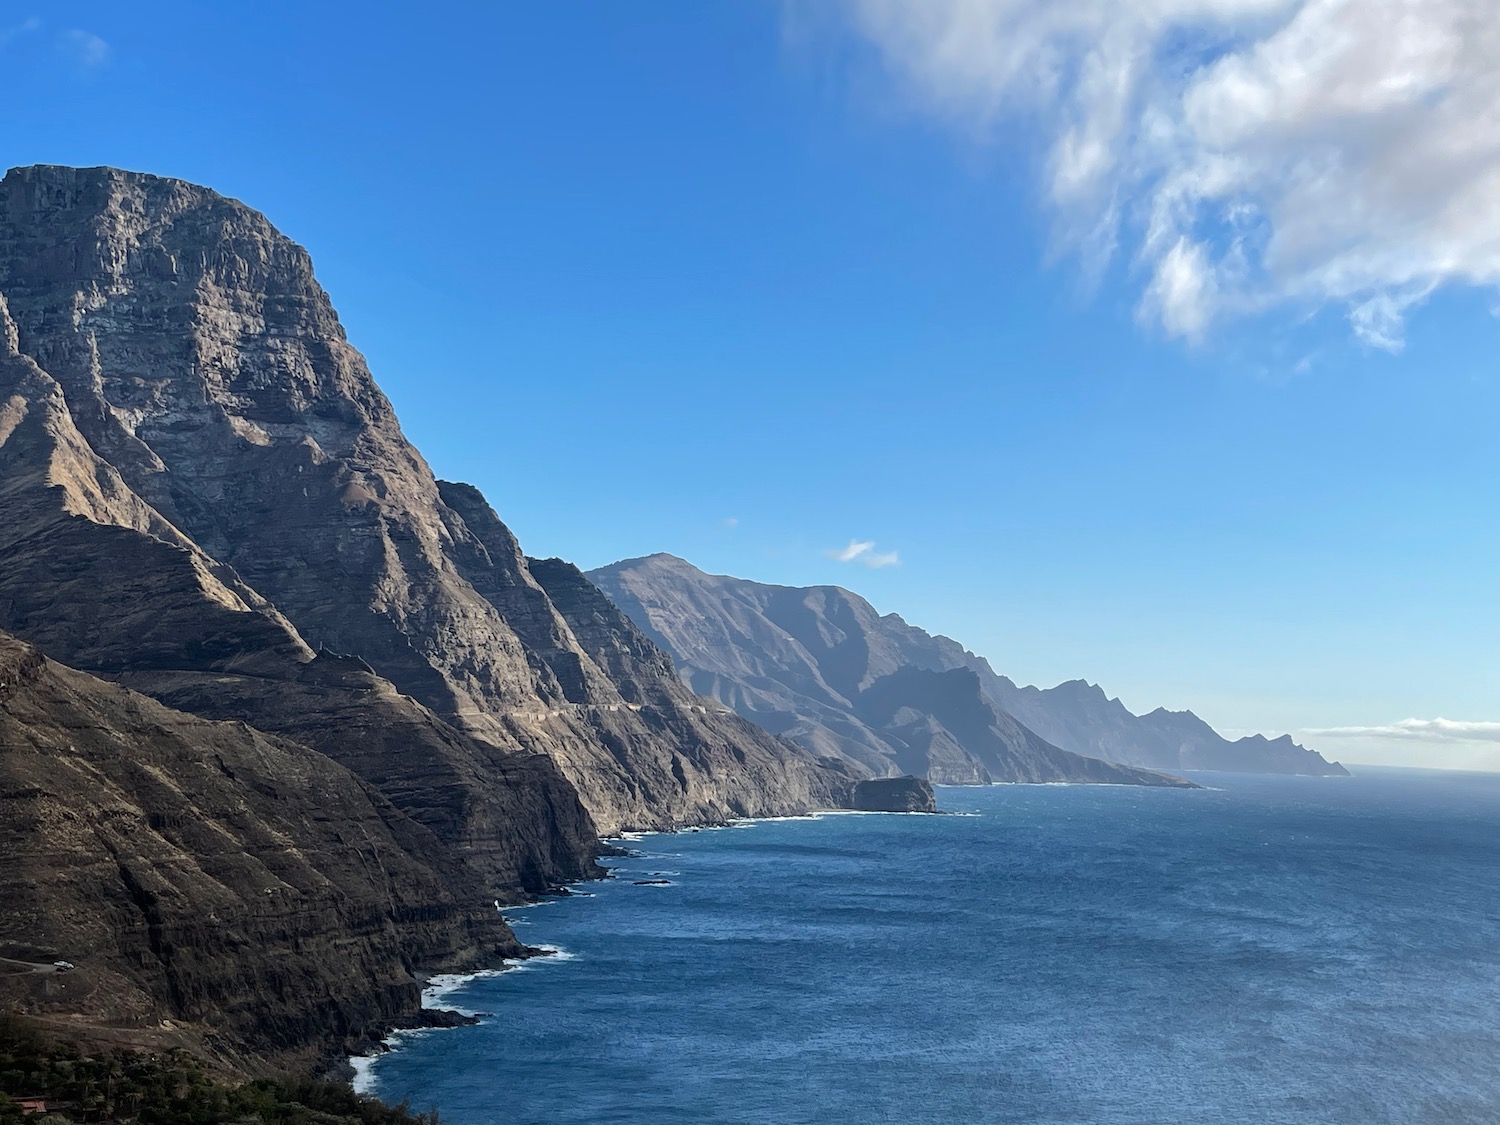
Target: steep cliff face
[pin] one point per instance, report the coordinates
(99, 578)
(207, 873)
(657, 756)
(720, 761)
(178, 349)
(808, 663)
(818, 666)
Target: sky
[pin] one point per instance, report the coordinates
(1149, 344)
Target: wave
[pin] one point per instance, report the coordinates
(434, 995)
(551, 955)
(444, 985)
(363, 1081)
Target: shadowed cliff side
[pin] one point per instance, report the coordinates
(247, 887)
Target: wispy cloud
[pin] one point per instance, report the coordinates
(1243, 154)
(863, 552)
(731, 521)
(86, 49)
(16, 31)
(1417, 730)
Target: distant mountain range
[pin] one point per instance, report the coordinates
(820, 666)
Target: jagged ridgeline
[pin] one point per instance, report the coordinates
(206, 499)
(821, 666)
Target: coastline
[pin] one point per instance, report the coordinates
(360, 1068)
(438, 988)
(446, 1017)
(787, 959)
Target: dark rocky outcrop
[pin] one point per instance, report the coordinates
(895, 794)
(242, 885)
(808, 663)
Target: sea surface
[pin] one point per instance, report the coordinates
(1315, 951)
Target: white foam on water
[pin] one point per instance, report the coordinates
(551, 955)
(363, 1081)
(440, 987)
(853, 812)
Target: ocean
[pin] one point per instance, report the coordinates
(1317, 951)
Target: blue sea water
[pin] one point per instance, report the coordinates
(1270, 950)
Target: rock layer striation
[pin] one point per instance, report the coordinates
(239, 883)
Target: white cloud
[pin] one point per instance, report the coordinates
(1417, 730)
(730, 521)
(1246, 153)
(85, 48)
(853, 551)
(864, 553)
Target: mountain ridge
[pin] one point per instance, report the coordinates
(720, 629)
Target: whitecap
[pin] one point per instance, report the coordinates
(440, 987)
(363, 1081)
(550, 955)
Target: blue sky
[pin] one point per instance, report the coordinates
(752, 282)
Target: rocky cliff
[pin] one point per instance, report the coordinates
(895, 794)
(228, 493)
(319, 709)
(818, 666)
(250, 889)
(821, 666)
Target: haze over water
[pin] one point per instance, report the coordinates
(1272, 950)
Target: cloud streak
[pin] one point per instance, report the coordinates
(86, 49)
(863, 552)
(16, 31)
(1241, 154)
(1418, 730)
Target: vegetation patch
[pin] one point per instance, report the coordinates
(79, 1085)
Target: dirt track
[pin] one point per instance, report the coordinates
(27, 968)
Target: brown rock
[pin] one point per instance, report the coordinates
(207, 873)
